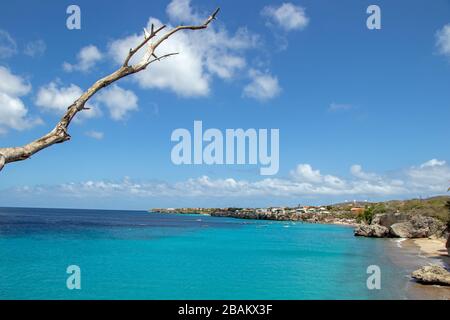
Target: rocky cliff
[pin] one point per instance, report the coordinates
(401, 226)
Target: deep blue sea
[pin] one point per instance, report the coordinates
(140, 255)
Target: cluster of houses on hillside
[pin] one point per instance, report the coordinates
(314, 214)
(270, 210)
(320, 210)
(295, 210)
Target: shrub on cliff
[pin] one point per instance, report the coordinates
(379, 208)
(367, 215)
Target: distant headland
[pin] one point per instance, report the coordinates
(349, 213)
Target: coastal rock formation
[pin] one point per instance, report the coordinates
(258, 216)
(405, 230)
(314, 215)
(417, 227)
(433, 274)
(372, 230)
(388, 219)
(401, 226)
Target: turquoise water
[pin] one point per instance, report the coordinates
(137, 255)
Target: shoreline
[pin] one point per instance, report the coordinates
(411, 254)
(433, 248)
(329, 221)
(407, 254)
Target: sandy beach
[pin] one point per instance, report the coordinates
(433, 248)
(411, 254)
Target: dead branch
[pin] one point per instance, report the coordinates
(59, 133)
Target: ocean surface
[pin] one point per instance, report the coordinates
(140, 255)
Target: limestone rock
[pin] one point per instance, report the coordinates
(388, 219)
(405, 230)
(418, 227)
(432, 275)
(373, 230)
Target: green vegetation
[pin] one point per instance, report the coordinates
(367, 215)
(433, 207)
(436, 207)
(379, 208)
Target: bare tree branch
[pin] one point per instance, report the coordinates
(147, 38)
(163, 56)
(59, 133)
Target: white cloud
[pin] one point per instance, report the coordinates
(335, 107)
(443, 40)
(358, 172)
(56, 98)
(11, 84)
(35, 48)
(205, 54)
(434, 173)
(304, 182)
(13, 113)
(304, 172)
(86, 59)
(118, 101)
(8, 46)
(97, 135)
(180, 11)
(433, 163)
(184, 74)
(263, 86)
(288, 16)
(226, 66)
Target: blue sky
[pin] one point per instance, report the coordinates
(363, 114)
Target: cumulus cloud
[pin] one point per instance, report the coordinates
(211, 53)
(12, 84)
(433, 163)
(118, 101)
(443, 40)
(97, 135)
(180, 11)
(56, 98)
(304, 181)
(86, 59)
(358, 172)
(8, 46)
(35, 48)
(287, 16)
(13, 112)
(304, 173)
(263, 86)
(433, 173)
